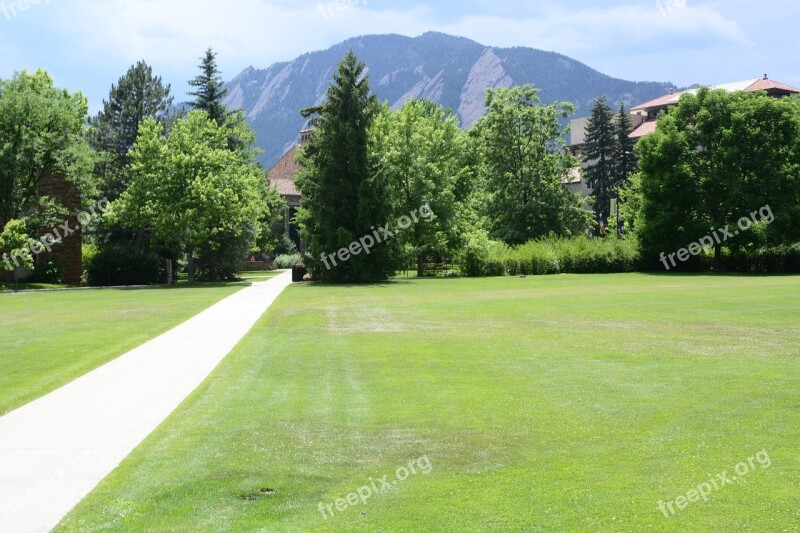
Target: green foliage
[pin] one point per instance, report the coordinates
(343, 199)
(120, 263)
(48, 272)
(598, 157)
(16, 243)
(631, 204)
(624, 157)
(421, 151)
(552, 255)
(210, 89)
(42, 132)
(189, 189)
(136, 96)
(524, 162)
(713, 159)
(288, 260)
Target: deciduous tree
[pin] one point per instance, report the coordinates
(524, 163)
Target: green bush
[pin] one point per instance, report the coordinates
(123, 264)
(288, 260)
(48, 272)
(579, 255)
(784, 259)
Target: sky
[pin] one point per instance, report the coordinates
(87, 45)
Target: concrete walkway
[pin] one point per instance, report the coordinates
(55, 450)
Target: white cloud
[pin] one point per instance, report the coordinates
(604, 30)
(257, 32)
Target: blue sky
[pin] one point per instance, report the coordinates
(88, 44)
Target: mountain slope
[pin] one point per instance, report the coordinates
(452, 71)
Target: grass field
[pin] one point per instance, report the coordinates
(47, 339)
(537, 404)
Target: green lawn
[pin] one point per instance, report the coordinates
(539, 404)
(47, 339)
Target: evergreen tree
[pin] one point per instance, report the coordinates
(343, 200)
(210, 89)
(625, 160)
(136, 96)
(598, 158)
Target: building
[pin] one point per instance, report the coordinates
(282, 176)
(644, 117)
(649, 111)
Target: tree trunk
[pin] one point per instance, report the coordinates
(190, 266)
(717, 257)
(420, 264)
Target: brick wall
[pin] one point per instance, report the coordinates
(68, 253)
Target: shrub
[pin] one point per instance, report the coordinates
(783, 259)
(579, 255)
(123, 264)
(48, 272)
(288, 260)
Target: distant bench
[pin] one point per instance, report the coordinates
(433, 269)
(258, 266)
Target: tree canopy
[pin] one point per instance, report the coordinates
(343, 198)
(42, 134)
(524, 163)
(188, 188)
(717, 157)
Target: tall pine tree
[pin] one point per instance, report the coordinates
(343, 200)
(625, 161)
(136, 96)
(598, 159)
(210, 89)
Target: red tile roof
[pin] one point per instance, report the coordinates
(646, 128)
(662, 101)
(747, 85)
(767, 85)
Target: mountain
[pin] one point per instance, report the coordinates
(448, 70)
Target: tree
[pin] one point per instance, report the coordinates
(42, 131)
(624, 158)
(343, 199)
(713, 159)
(524, 163)
(598, 158)
(210, 89)
(188, 188)
(420, 151)
(15, 240)
(136, 96)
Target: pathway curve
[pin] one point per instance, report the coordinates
(55, 450)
